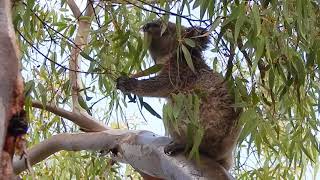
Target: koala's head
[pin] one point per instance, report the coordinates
(154, 29)
(166, 42)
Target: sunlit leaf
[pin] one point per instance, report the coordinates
(83, 104)
(239, 23)
(187, 57)
(189, 42)
(256, 17)
(86, 56)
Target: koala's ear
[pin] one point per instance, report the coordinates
(200, 35)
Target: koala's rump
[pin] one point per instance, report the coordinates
(217, 117)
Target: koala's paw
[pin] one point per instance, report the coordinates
(126, 84)
(174, 148)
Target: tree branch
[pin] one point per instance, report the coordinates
(69, 142)
(74, 8)
(80, 42)
(141, 149)
(85, 121)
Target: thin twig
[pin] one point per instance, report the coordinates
(67, 38)
(60, 65)
(169, 12)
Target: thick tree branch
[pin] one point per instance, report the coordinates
(142, 149)
(69, 142)
(85, 121)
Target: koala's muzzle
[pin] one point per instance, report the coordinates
(150, 25)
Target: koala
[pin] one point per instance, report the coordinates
(217, 114)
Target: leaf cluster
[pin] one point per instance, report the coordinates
(182, 116)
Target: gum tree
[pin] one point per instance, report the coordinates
(72, 54)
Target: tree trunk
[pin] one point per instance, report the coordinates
(11, 88)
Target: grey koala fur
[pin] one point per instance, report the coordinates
(218, 116)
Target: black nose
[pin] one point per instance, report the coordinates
(147, 26)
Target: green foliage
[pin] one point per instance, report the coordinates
(182, 115)
(78, 165)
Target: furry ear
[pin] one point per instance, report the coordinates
(199, 35)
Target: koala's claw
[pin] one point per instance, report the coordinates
(174, 148)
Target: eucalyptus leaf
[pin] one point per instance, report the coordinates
(187, 57)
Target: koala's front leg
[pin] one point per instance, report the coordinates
(126, 84)
(159, 86)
